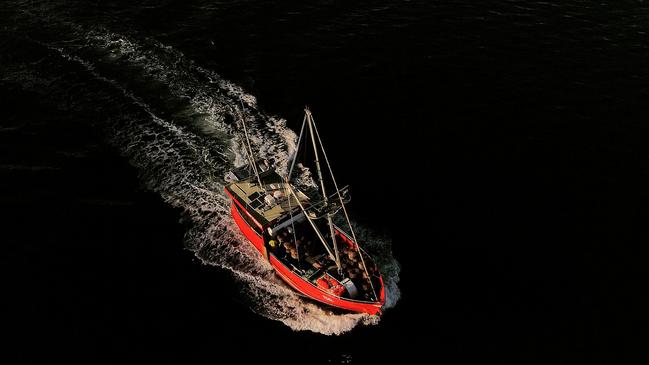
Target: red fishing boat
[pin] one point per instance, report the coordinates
(295, 231)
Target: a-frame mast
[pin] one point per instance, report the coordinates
(342, 204)
(322, 186)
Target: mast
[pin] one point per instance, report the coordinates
(252, 162)
(321, 180)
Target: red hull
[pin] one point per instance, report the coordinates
(297, 282)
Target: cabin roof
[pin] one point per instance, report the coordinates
(252, 196)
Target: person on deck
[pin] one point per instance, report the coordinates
(273, 245)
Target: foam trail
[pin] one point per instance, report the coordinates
(184, 153)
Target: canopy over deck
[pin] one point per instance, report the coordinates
(269, 201)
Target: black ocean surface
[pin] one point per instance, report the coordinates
(499, 146)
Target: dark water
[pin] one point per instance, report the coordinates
(500, 145)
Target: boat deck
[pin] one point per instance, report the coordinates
(269, 201)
